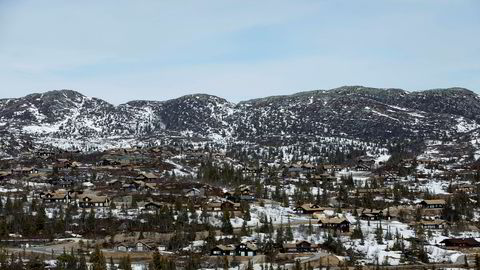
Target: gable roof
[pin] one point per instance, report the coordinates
(335, 220)
(434, 201)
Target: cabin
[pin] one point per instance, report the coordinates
(460, 242)
(362, 192)
(323, 177)
(230, 206)
(4, 174)
(467, 189)
(240, 197)
(193, 192)
(244, 190)
(138, 184)
(299, 247)
(306, 168)
(62, 163)
(151, 186)
(213, 206)
(24, 170)
(330, 168)
(362, 167)
(246, 249)
(339, 224)
(56, 197)
(138, 246)
(153, 206)
(371, 214)
(146, 176)
(108, 162)
(433, 204)
(252, 171)
(115, 183)
(431, 224)
(92, 200)
(294, 168)
(390, 178)
(309, 208)
(65, 182)
(223, 250)
(366, 160)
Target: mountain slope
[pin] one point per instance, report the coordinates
(364, 113)
(368, 114)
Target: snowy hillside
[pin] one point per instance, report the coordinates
(354, 112)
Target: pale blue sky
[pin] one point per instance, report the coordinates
(124, 50)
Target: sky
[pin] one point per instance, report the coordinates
(122, 50)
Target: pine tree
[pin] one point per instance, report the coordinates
(298, 266)
(357, 232)
(8, 205)
(250, 265)
(98, 260)
(125, 263)
(388, 234)
(244, 230)
(210, 240)
(82, 264)
(246, 215)
(379, 234)
(270, 227)
(226, 264)
(1, 204)
(40, 219)
(204, 216)
(91, 221)
(112, 265)
(289, 232)
(227, 227)
(310, 227)
(279, 237)
(157, 262)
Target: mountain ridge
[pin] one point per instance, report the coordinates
(344, 88)
(381, 115)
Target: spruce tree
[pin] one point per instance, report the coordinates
(310, 227)
(250, 265)
(40, 219)
(82, 264)
(112, 265)
(289, 232)
(279, 237)
(125, 263)
(244, 230)
(227, 227)
(379, 234)
(98, 260)
(210, 240)
(157, 263)
(246, 215)
(357, 232)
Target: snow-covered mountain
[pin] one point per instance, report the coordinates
(368, 114)
(363, 113)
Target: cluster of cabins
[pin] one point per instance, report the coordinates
(82, 199)
(242, 249)
(250, 249)
(144, 245)
(340, 223)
